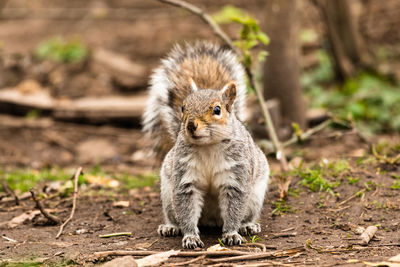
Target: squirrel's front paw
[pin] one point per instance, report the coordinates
(168, 230)
(192, 241)
(232, 239)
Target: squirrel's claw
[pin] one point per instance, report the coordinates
(192, 242)
(168, 230)
(250, 229)
(231, 239)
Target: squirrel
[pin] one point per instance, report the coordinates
(214, 174)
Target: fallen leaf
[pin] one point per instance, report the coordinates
(368, 234)
(156, 259)
(359, 230)
(126, 261)
(382, 263)
(121, 204)
(395, 258)
(217, 247)
(102, 181)
(24, 217)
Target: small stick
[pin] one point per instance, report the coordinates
(350, 198)
(277, 235)
(189, 262)
(9, 239)
(339, 209)
(10, 192)
(307, 134)
(258, 245)
(116, 234)
(206, 18)
(77, 173)
(258, 256)
(40, 207)
(103, 254)
(288, 229)
(368, 234)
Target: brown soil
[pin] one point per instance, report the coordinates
(143, 36)
(314, 216)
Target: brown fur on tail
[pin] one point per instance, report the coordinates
(209, 66)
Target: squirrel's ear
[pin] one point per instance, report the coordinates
(228, 94)
(193, 85)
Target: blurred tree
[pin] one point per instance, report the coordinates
(348, 48)
(282, 68)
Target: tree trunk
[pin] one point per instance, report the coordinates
(348, 48)
(282, 68)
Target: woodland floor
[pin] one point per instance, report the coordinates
(319, 222)
(314, 218)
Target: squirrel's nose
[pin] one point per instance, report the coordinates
(191, 127)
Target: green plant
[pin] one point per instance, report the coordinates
(396, 185)
(281, 207)
(127, 180)
(24, 179)
(220, 242)
(60, 50)
(337, 167)
(352, 180)
(250, 34)
(370, 100)
(254, 238)
(313, 178)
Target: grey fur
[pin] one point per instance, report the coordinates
(221, 184)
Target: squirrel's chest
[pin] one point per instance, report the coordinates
(210, 168)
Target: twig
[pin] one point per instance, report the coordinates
(339, 209)
(77, 173)
(206, 18)
(258, 245)
(352, 197)
(280, 155)
(40, 207)
(288, 229)
(116, 234)
(9, 239)
(258, 256)
(10, 192)
(103, 254)
(304, 136)
(277, 235)
(189, 262)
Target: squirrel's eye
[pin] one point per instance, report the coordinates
(217, 110)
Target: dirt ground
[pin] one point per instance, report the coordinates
(324, 224)
(315, 218)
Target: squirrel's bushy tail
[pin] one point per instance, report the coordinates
(209, 66)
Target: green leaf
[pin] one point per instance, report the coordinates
(229, 14)
(263, 38)
(262, 55)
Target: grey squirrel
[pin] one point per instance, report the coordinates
(214, 174)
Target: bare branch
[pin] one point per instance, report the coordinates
(40, 207)
(206, 18)
(10, 192)
(77, 173)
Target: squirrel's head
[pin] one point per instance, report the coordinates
(206, 114)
